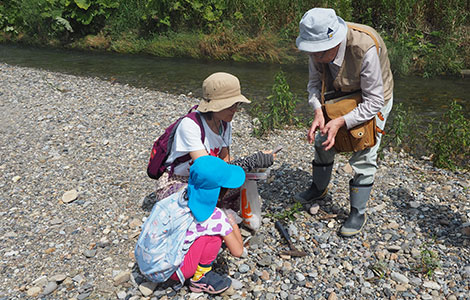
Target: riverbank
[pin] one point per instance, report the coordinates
(91, 138)
(424, 37)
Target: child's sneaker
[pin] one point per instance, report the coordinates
(211, 283)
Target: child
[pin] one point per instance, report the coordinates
(211, 226)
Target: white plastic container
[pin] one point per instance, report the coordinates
(258, 174)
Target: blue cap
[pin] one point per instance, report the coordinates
(206, 176)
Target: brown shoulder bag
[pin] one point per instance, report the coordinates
(355, 139)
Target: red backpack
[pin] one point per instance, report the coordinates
(162, 146)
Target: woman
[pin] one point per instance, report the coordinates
(221, 98)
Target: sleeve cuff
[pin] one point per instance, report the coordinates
(314, 103)
(350, 120)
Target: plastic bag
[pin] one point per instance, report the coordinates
(232, 215)
(250, 203)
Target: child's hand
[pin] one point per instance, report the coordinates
(274, 151)
(269, 152)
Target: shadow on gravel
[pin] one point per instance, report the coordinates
(278, 191)
(286, 181)
(437, 221)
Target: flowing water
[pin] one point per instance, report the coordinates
(429, 97)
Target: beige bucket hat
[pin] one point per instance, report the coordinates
(220, 91)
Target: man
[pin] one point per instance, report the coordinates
(347, 53)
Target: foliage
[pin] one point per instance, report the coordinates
(428, 261)
(280, 107)
(46, 19)
(379, 268)
(449, 139)
(424, 36)
(446, 139)
(402, 129)
(287, 214)
(183, 14)
(174, 45)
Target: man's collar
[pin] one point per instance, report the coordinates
(338, 61)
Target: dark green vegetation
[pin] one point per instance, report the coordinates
(279, 109)
(445, 140)
(424, 36)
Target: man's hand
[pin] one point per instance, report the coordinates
(331, 129)
(318, 123)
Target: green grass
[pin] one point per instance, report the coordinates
(288, 214)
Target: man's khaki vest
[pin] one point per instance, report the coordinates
(358, 42)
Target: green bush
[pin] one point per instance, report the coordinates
(280, 110)
(43, 20)
(449, 139)
(424, 36)
(446, 139)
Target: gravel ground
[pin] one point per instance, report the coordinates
(73, 167)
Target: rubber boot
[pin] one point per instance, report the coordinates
(359, 195)
(321, 174)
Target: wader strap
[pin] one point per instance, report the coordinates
(379, 130)
(380, 116)
(368, 33)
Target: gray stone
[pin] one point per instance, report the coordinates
(89, 253)
(58, 277)
(147, 288)
(416, 281)
(299, 276)
(78, 279)
(236, 284)
(393, 248)
(83, 296)
(50, 287)
(243, 268)
(121, 295)
(122, 277)
(399, 277)
(265, 261)
(40, 281)
(33, 291)
(431, 285)
(466, 271)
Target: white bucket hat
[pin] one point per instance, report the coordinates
(320, 29)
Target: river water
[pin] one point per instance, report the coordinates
(428, 97)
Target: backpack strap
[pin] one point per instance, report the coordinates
(196, 117)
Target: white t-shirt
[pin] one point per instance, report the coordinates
(188, 139)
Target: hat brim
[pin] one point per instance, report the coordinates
(323, 45)
(218, 105)
(235, 177)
